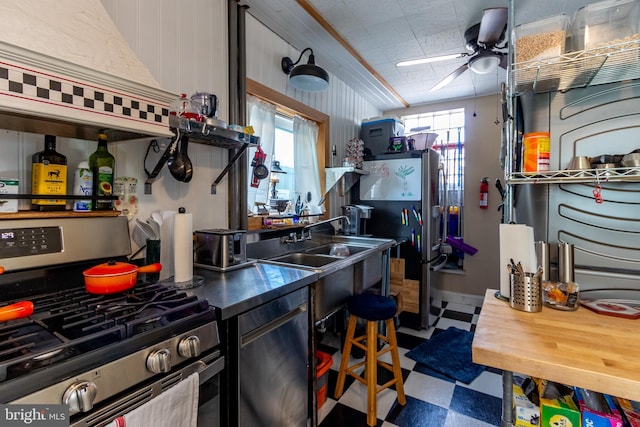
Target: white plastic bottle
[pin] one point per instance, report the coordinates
(82, 186)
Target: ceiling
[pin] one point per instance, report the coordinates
(380, 33)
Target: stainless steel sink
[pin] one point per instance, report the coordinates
(306, 259)
(326, 249)
(339, 277)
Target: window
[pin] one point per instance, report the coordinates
(308, 129)
(449, 126)
(282, 182)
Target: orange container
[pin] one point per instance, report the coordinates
(536, 147)
(324, 362)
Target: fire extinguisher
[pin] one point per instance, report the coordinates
(484, 193)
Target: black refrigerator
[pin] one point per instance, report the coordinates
(405, 191)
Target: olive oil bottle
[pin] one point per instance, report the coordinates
(102, 165)
(49, 177)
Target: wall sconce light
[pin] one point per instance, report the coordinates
(307, 76)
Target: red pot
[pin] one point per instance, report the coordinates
(16, 311)
(113, 277)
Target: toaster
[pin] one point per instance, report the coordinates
(219, 248)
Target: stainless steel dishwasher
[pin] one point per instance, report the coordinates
(274, 363)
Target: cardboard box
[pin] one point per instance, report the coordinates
(631, 410)
(526, 413)
(9, 186)
(411, 295)
(561, 411)
(591, 417)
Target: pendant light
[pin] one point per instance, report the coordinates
(309, 76)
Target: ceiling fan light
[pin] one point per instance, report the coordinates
(427, 60)
(483, 64)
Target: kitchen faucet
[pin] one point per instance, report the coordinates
(293, 238)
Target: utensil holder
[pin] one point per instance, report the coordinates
(526, 292)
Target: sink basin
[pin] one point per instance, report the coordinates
(326, 249)
(306, 259)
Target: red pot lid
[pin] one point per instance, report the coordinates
(111, 268)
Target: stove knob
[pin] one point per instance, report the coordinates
(159, 361)
(80, 396)
(189, 346)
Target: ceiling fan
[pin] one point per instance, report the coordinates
(482, 40)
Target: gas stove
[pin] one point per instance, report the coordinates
(83, 349)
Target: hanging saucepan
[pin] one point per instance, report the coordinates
(113, 277)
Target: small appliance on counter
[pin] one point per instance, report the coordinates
(221, 249)
(357, 215)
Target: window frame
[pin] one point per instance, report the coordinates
(291, 107)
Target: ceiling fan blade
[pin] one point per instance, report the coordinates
(492, 26)
(503, 60)
(451, 77)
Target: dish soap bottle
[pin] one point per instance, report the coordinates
(102, 165)
(49, 177)
(83, 186)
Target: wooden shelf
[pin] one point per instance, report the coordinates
(57, 214)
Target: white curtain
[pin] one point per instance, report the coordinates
(307, 182)
(262, 117)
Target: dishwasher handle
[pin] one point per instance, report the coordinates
(274, 324)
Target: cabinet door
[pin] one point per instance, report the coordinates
(274, 356)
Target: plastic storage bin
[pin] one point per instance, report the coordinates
(545, 38)
(377, 132)
(324, 362)
(605, 23)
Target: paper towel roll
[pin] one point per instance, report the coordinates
(516, 242)
(182, 247)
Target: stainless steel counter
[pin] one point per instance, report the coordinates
(237, 291)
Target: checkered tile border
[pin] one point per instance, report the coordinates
(66, 93)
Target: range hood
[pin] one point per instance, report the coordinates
(66, 70)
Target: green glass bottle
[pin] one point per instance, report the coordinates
(102, 165)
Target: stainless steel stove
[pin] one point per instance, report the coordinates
(93, 352)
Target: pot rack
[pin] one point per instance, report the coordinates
(203, 133)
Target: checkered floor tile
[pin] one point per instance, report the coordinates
(433, 400)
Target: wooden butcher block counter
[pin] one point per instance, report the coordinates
(580, 348)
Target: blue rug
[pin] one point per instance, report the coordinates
(449, 353)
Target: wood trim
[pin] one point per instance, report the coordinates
(292, 107)
(308, 7)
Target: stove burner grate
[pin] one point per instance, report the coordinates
(72, 322)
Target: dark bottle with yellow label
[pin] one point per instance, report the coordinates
(49, 177)
(102, 165)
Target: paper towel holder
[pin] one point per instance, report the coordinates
(194, 280)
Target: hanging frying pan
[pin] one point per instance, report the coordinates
(261, 171)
